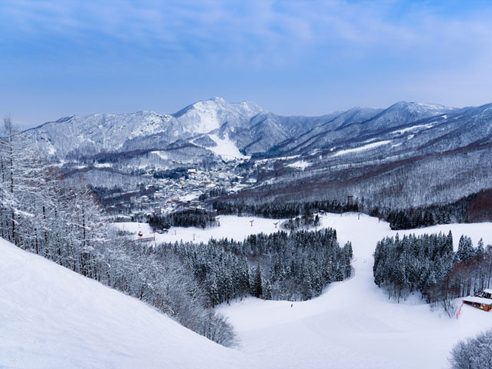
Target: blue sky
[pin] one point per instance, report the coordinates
(307, 57)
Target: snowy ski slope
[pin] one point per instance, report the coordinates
(353, 324)
(53, 318)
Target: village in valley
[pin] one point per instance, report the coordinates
(182, 189)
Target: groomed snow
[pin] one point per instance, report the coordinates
(232, 227)
(226, 148)
(362, 148)
(353, 324)
(409, 129)
(51, 317)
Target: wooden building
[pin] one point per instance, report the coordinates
(481, 303)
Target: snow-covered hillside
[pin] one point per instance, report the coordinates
(247, 126)
(89, 135)
(208, 115)
(82, 136)
(51, 317)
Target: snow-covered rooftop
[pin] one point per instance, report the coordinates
(478, 300)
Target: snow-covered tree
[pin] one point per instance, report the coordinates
(474, 353)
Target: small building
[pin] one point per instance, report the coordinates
(478, 302)
(487, 293)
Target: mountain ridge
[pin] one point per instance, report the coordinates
(377, 147)
(250, 127)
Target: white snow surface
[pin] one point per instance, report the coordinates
(102, 165)
(51, 317)
(161, 154)
(301, 164)
(226, 148)
(362, 148)
(353, 324)
(208, 115)
(413, 128)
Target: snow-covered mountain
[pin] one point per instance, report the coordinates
(405, 156)
(209, 115)
(359, 123)
(85, 136)
(242, 126)
(357, 145)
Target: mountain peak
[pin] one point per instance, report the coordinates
(207, 115)
(217, 100)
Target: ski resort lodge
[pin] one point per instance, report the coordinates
(483, 301)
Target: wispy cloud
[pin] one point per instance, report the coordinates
(258, 31)
(350, 52)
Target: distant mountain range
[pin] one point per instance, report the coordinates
(342, 151)
(76, 136)
(248, 126)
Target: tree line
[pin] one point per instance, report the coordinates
(280, 210)
(429, 265)
(200, 218)
(399, 219)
